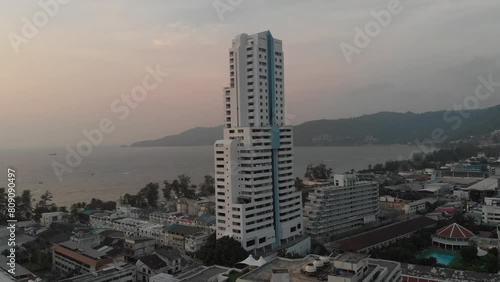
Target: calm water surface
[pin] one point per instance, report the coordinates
(113, 171)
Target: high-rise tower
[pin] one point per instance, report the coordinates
(256, 200)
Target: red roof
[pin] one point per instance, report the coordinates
(445, 209)
(455, 231)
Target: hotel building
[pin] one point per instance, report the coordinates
(340, 205)
(256, 201)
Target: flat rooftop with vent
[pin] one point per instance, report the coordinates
(346, 267)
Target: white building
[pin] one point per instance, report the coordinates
(116, 272)
(50, 217)
(194, 242)
(256, 201)
(491, 210)
(340, 205)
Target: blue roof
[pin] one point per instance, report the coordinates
(88, 212)
(207, 218)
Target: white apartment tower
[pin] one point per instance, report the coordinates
(256, 200)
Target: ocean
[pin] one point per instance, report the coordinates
(109, 172)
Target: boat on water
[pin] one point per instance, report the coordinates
(53, 154)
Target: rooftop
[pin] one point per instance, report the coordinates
(488, 184)
(86, 251)
(137, 239)
(202, 273)
(383, 234)
(131, 221)
(455, 231)
(83, 254)
(106, 272)
(183, 229)
(153, 261)
(295, 268)
(351, 257)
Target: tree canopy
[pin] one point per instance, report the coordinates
(318, 172)
(225, 251)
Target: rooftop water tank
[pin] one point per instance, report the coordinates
(318, 263)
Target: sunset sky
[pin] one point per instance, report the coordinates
(65, 78)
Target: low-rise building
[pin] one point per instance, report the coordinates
(194, 242)
(406, 207)
(163, 217)
(172, 256)
(175, 234)
(340, 205)
(116, 272)
(50, 217)
(148, 266)
(90, 239)
(138, 247)
(69, 257)
(491, 210)
(129, 226)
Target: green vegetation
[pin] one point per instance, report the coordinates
(35, 256)
(395, 128)
(225, 251)
(233, 276)
(179, 187)
(318, 172)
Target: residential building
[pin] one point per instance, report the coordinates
(50, 217)
(406, 207)
(148, 266)
(491, 210)
(117, 273)
(89, 239)
(340, 205)
(68, 257)
(171, 256)
(175, 234)
(194, 207)
(163, 217)
(194, 242)
(129, 226)
(256, 200)
(138, 246)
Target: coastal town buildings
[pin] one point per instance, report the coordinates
(69, 257)
(50, 217)
(256, 200)
(120, 272)
(491, 210)
(339, 205)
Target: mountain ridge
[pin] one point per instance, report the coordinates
(382, 128)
